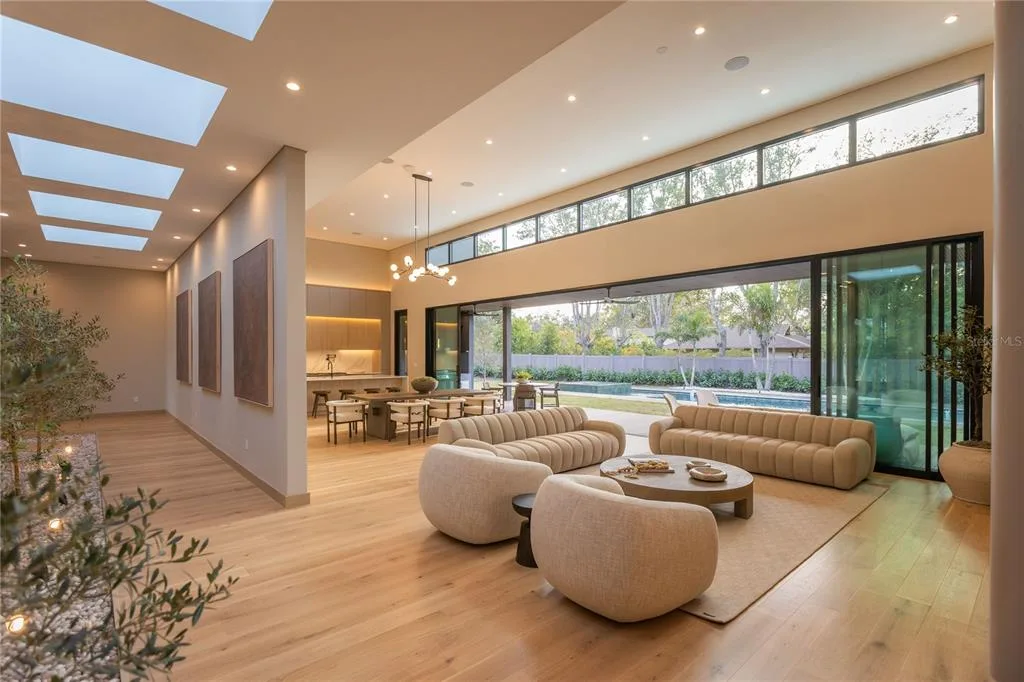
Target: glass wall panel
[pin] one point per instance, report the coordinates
(611, 208)
(520, 233)
(401, 343)
(488, 334)
(557, 223)
(445, 346)
(659, 195)
(438, 255)
(728, 176)
(879, 312)
(489, 242)
(462, 249)
(925, 121)
(808, 154)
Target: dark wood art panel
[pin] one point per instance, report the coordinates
(208, 353)
(183, 333)
(252, 291)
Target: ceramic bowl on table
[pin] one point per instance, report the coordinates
(708, 473)
(696, 463)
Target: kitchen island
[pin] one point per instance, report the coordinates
(348, 382)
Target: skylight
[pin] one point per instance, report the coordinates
(241, 17)
(106, 240)
(92, 211)
(64, 163)
(55, 73)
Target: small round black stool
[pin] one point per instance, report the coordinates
(523, 504)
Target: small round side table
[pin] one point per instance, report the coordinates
(523, 504)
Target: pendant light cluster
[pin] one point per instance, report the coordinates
(409, 262)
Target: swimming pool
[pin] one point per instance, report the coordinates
(778, 402)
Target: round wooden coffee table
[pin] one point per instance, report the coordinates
(679, 487)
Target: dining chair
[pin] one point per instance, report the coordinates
(480, 404)
(350, 412)
(445, 408)
(525, 398)
(549, 393)
(410, 413)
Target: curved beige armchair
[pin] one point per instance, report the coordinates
(625, 558)
(467, 493)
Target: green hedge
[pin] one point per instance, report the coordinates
(707, 379)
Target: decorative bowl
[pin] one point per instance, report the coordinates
(696, 463)
(708, 474)
(423, 385)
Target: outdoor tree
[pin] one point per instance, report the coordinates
(524, 339)
(719, 310)
(659, 310)
(759, 313)
(618, 321)
(585, 319)
(689, 327)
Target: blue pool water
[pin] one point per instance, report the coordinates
(774, 401)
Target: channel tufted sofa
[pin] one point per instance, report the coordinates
(560, 437)
(831, 451)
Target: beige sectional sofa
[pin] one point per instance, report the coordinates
(560, 437)
(830, 451)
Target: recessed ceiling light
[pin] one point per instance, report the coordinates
(737, 63)
(571, 98)
(22, 246)
(453, 211)
(385, 238)
(488, 141)
(501, 194)
(387, 159)
(765, 91)
(160, 260)
(325, 228)
(951, 19)
(230, 168)
(699, 31)
(562, 170)
(387, 196)
(195, 210)
(153, 266)
(467, 183)
(430, 173)
(293, 86)
(645, 138)
(352, 213)
(177, 236)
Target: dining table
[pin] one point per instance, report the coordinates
(378, 414)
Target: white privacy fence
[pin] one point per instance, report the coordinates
(797, 367)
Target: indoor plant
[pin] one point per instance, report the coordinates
(965, 356)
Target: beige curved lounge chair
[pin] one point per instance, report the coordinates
(622, 557)
(467, 494)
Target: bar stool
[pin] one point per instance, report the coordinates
(317, 397)
(346, 393)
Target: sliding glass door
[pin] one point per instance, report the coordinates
(879, 311)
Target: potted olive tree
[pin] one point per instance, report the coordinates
(965, 356)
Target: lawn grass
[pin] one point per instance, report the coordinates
(637, 406)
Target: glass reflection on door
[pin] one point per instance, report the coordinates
(445, 346)
(879, 312)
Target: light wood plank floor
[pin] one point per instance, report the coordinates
(358, 585)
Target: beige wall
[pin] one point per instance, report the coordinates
(344, 265)
(945, 190)
(268, 442)
(130, 304)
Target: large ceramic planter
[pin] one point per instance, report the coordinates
(423, 385)
(968, 472)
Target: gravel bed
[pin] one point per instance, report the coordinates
(91, 612)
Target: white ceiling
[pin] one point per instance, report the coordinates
(375, 76)
(805, 52)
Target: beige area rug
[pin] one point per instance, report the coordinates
(791, 521)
